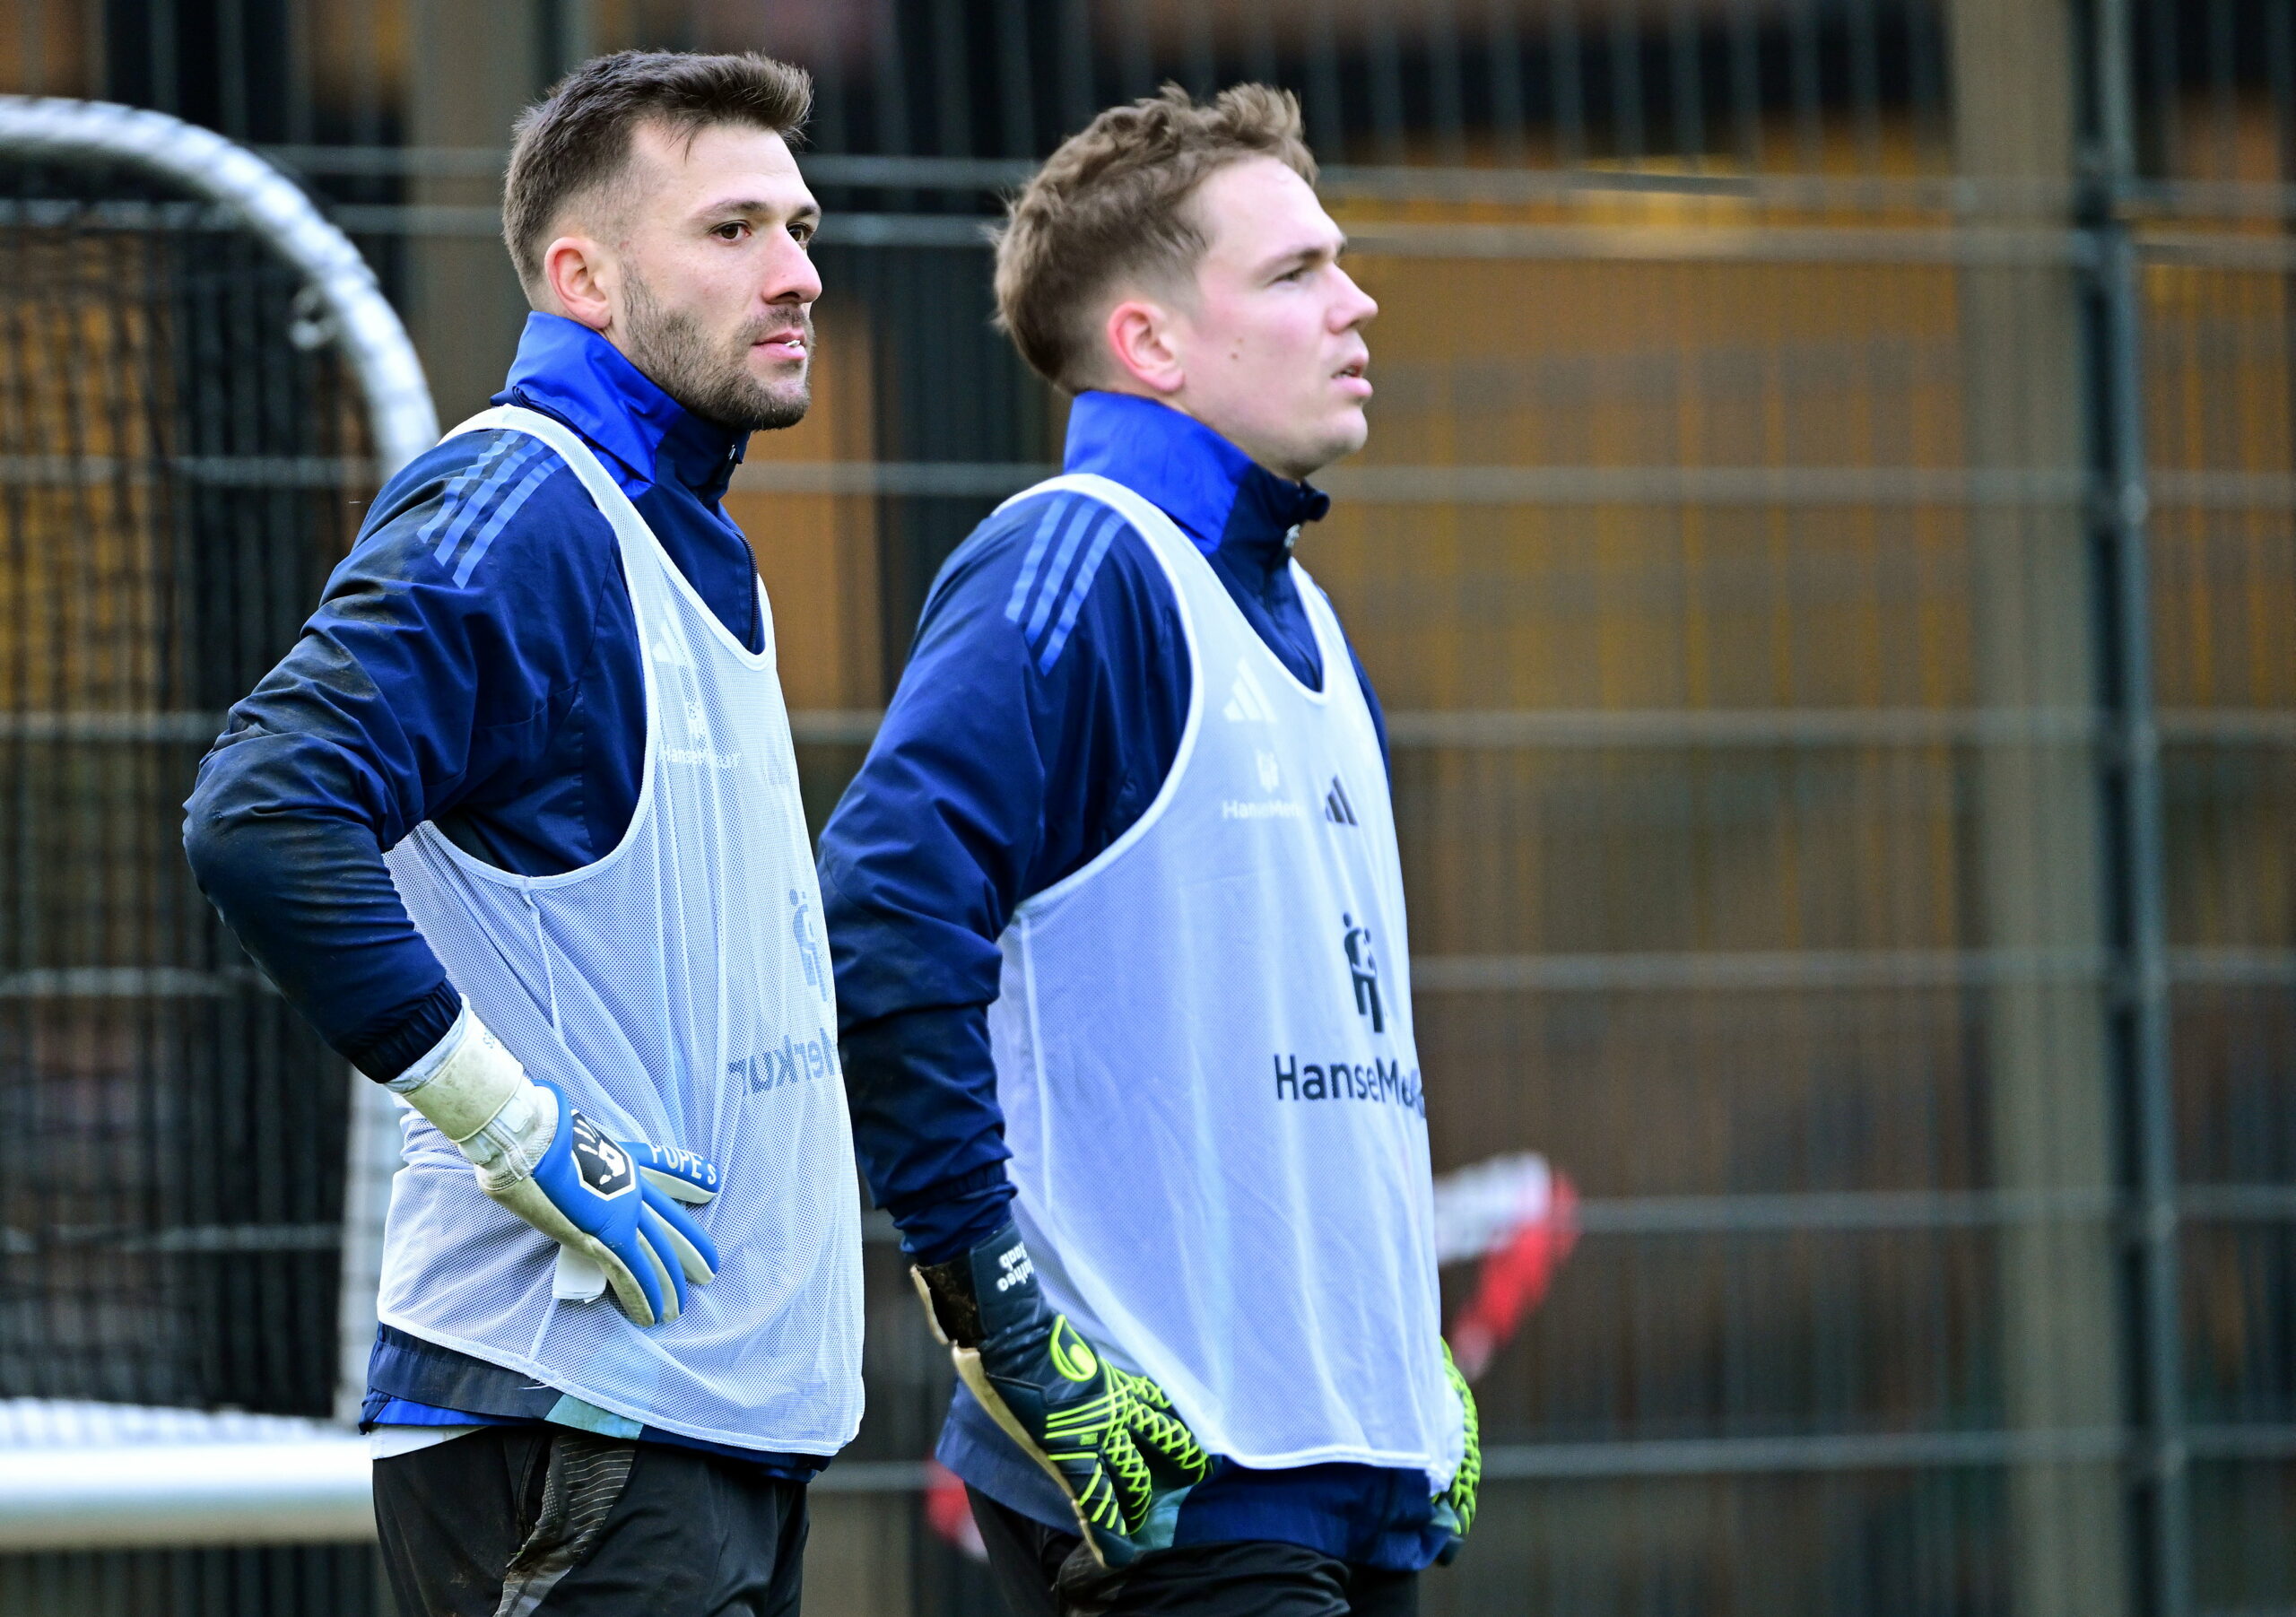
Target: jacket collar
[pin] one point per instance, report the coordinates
(1211, 488)
(570, 371)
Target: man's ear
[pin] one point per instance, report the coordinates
(1139, 338)
(578, 273)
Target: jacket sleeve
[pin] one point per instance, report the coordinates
(445, 647)
(1040, 712)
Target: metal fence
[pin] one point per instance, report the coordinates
(1827, 545)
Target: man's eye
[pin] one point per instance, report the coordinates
(802, 234)
(731, 231)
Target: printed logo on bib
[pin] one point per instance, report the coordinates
(1337, 809)
(1345, 1079)
(604, 1167)
(1247, 702)
(1269, 770)
(809, 951)
(1363, 970)
(697, 751)
(1377, 1079)
(778, 1066)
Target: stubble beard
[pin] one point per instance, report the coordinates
(714, 381)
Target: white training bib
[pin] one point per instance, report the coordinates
(678, 990)
(1204, 1053)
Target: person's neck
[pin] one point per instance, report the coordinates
(1179, 404)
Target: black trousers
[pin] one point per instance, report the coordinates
(1043, 1572)
(512, 1520)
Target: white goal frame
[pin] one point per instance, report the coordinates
(83, 1476)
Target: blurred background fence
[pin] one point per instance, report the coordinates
(1825, 546)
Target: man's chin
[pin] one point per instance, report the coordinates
(785, 406)
(1340, 440)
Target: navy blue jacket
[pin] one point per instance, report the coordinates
(1040, 713)
(473, 662)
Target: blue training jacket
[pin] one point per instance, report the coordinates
(1038, 718)
(473, 662)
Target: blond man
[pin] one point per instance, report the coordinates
(1118, 928)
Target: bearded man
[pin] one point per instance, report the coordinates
(516, 825)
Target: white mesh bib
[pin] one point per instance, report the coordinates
(679, 990)
(1204, 1052)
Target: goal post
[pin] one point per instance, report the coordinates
(121, 1013)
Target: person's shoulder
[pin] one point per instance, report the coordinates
(481, 504)
(1045, 568)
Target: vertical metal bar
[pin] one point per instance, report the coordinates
(892, 93)
(1509, 135)
(574, 28)
(831, 129)
(2161, 60)
(2224, 90)
(2169, 1529)
(1016, 89)
(1746, 84)
(1202, 50)
(951, 81)
(162, 41)
(1447, 83)
(1260, 62)
(1385, 48)
(1139, 53)
(1078, 102)
(34, 45)
(231, 66)
(1809, 102)
(1686, 50)
(94, 59)
(2133, 784)
(1563, 63)
(1626, 81)
(299, 76)
(1327, 119)
(360, 33)
(1865, 82)
(1925, 84)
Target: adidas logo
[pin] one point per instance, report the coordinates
(1336, 807)
(1247, 703)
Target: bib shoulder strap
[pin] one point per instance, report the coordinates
(1162, 533)
(613, 504)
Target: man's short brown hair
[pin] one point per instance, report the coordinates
(1112, 204)
(576, 138)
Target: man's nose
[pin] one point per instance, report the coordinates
(1355, 307)
(793, 278)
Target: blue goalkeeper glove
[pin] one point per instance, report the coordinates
(613, 1206)
(1455, 1505)
(1109, 1438)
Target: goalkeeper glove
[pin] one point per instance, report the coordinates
(611, 1203)
(1455, 1505)
(1109, 1438)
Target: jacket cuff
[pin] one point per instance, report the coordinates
(948, 1220)
(383, 1046)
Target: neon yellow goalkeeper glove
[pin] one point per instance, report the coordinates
(1109, 1438)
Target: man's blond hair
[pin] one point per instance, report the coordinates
(1110, 208)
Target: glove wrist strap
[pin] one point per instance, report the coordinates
(479, 1097)
(984, 1292)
